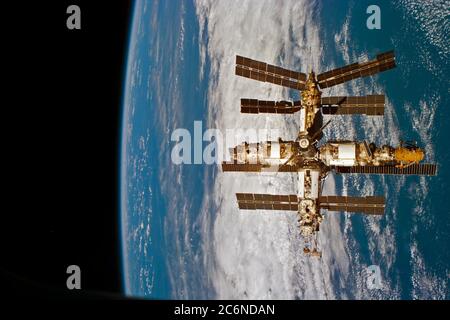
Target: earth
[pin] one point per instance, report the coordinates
(183, 236)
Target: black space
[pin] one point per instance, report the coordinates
(61, 117)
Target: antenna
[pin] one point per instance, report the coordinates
(320, 130)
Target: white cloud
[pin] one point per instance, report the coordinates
(259, 254)
(426, 285)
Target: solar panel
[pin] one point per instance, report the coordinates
(425, 169)
(351, 200)
(241, 167)
(338, 71)
(287, 168)
(368, 205)
(261, 71)
(368, 105)
(247, 167)
(253, 201)
(383, 62)
(264, 106)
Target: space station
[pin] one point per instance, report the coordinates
(312, 159)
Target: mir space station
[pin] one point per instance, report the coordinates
(313, 161)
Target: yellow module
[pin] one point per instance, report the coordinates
(311, 100)
(408, 155)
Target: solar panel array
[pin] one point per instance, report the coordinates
(264, 72)
(241, 167)
(383, 62)
(425, 169)
(372, 105)
(247, 167)
(254, 201)
(367, 205)
(264, 106)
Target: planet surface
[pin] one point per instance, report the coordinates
(182, 234)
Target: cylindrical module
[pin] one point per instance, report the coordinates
(339, 154)
(265, 153)
(348, 154)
